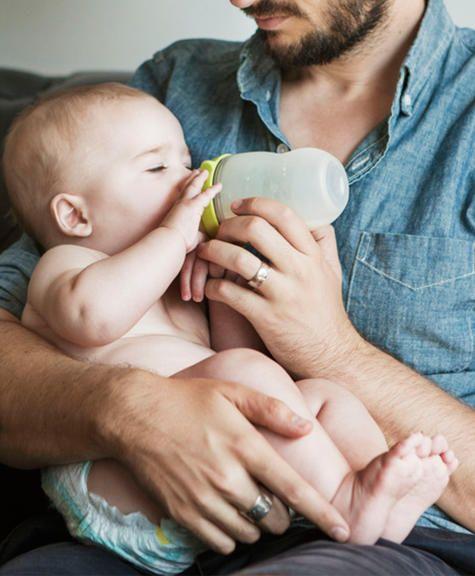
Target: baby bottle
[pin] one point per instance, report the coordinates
(310, 181)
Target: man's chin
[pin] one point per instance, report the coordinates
(280, 51)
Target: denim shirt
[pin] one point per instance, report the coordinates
(406, 239)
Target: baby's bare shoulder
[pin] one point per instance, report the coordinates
(71, 256)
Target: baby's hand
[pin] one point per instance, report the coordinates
(195, 273)
(185, 216)
(193, 277)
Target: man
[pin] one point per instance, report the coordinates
(387, 86)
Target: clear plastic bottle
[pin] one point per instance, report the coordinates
(311, 181)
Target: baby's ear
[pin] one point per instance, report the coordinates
(69, 212)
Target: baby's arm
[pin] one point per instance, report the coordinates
(92, 299)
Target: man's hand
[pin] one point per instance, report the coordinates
(298, 311)
(185, 216)
(190, 443)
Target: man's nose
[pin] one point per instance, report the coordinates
(242, 3)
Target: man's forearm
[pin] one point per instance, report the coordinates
(402, 401)
(53, 409)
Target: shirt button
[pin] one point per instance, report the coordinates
(281, 148)
(407, 101)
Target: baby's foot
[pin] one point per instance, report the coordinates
(438, 463)
(366, 498)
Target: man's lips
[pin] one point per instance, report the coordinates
(270, 23)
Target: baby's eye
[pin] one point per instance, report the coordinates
(158, 168)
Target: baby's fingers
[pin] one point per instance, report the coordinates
(202, 200)
(198, 279)
(185, 275)
(194, 187)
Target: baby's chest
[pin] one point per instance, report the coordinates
(172, 316)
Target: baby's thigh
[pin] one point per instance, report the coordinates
(252, 369)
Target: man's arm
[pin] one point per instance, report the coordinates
(50, 404)
(300, 315)
(55, 410)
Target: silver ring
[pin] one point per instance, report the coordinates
(262, 507)
(260, 276)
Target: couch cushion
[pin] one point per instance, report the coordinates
(17, 90)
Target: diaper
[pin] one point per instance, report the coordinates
(165, 549)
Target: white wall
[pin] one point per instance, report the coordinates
(60, 36)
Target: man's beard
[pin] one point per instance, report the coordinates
(348, 24)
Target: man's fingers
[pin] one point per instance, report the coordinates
(268, 412)
(210, 534)
(292, 489)
(231, 257)
(281, 217)
(225, 515)
(240, 298)
(326, 239)
(262, 461)
(262, 236)
(278, 519)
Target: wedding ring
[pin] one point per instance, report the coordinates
(261, 508)
(260, 276)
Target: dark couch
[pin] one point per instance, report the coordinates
(18, 89)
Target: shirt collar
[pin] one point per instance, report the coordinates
(258, 76)
(425, 56)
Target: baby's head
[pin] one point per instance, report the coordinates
(97, 165)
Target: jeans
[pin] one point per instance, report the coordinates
(301, 551)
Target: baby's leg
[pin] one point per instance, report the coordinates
(345, 419)
(365, 498)
(260, 373)
(360, 440)
(113, 482)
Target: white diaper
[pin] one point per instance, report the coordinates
(165, 549)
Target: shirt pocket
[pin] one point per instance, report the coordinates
(413, 296)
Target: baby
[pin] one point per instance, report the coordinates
(101, 177)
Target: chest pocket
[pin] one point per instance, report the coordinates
(414, 296)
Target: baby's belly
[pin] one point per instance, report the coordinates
(160, 353)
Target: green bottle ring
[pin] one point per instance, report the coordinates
(209, 219)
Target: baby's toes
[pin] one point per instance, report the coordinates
(450, 460)
(408, 446)
(439, 444)
(424, 449)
